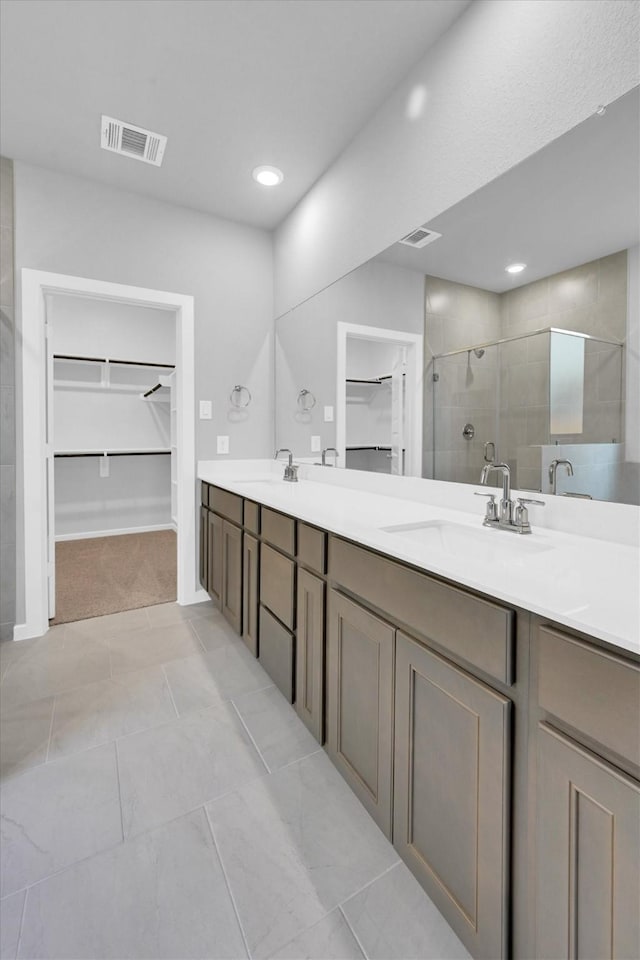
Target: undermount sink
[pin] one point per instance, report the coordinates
(458, 540)
(269, 480)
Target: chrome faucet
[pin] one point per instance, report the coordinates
(291, 469)
(508, 516)
(324, 456)
(506, 504)
(553, 472)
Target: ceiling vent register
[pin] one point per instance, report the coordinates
(132, 141)
(420, 237)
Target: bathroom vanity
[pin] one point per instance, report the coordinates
(469, 686)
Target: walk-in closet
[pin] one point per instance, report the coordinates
(375, 406)
(112, 456)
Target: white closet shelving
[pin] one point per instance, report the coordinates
(118, 410)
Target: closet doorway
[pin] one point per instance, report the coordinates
(112, 421)
(379, 400)
(108, 440)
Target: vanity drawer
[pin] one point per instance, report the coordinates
(479, 631)
(312, 548)
(279, 530)
(226, 504)
(277, 584)
(204, 493)
(592, 690)
(277, 653)
(252, 517)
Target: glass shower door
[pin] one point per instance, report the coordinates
(466, 404)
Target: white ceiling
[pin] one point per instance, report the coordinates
(232, 83)
(575, 201)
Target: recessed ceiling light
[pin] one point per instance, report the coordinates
(268, 176)
(515, 267)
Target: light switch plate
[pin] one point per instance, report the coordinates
(315, 444)
(223, 444)
(205, 409)
(328, 414)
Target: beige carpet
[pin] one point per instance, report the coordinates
(110, 574)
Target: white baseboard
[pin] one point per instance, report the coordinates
(115, 533)
(22, 631)
(198, 597)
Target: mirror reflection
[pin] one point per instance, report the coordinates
(502, 330)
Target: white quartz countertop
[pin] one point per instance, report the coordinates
(584, 582)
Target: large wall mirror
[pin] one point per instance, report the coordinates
(433, 357)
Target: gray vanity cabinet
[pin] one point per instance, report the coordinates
(310, 652)
(360, 654)
(250, 573)
(451, 796)
(231, 596)
(204, 547)
(214, 557)
(588, 850)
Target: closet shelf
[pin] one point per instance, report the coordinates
(368, 447)
(111, 453)
(120, 363)
(373, 381)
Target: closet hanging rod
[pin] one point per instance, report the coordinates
(158, 386)
(124, 363)
(119, 453)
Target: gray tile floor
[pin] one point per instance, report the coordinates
(160, 799)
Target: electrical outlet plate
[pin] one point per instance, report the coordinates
(223, 444)
(315, 444)
(328, 414)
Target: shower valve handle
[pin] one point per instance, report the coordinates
(489, 457)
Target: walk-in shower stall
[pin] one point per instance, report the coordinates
(527, 400)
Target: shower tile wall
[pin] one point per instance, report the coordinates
(457, 315)
(592, 299)
(7, 407)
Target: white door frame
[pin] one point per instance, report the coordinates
(413, 342)
(36, 284)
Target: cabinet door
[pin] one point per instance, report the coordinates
(231, 604)
(204, 547)
(452, 784)
(360, 703)
(310, 653)
(250, 593)
(588, 854)
(214, 557)
(277, 653)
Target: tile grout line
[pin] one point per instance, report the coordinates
(248, 732)
(64, 869)
(115, 747)
(353, 933)
(166, 680)
(227, 882)
(23, 915)
(196, 635)
(369, 882)
(53, 713)
(291, 763)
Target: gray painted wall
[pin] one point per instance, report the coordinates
(68, 225)
(375, 295)
(504, 81)
(7, 407)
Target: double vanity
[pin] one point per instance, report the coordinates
(479, 692)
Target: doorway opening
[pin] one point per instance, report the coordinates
(156, 441)
(379, 400)
(111, 418)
